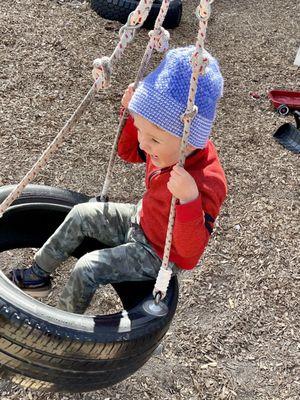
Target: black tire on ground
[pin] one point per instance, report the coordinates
(47, 349)
(118, 10)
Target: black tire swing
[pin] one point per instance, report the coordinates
(118, 10)
(47, 349)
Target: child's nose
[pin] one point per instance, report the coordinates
(144, 145)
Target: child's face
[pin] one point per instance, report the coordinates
(161, 146)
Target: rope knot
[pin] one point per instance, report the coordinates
(160, 39)
(138, 16)
(127, 32)
(189, 115)
(162, 282)
(203, 11)
(102, 72)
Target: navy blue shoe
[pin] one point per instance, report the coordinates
(30, 283)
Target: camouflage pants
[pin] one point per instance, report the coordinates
(129, 257)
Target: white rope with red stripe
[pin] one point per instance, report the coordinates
(159, 40)
(199, 63)
(135, 20)
(102, 66)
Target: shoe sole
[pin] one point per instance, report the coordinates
(38, 292)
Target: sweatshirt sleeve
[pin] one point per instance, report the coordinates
(128, 145)
(194, 221)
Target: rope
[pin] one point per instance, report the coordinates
(102, 66)
(135, 21)
(199, 63)
(159, 40)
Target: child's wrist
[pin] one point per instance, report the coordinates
(189, 200)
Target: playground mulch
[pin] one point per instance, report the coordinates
(236, 332)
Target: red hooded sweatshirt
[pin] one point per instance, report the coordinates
(193, 221)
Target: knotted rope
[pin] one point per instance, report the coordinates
(159, 40)
(127, 32)
(199, 63)
(102, 66)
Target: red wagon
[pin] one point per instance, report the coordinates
(285, 101)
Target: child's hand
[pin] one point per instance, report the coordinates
(127, 95)
(182, 185)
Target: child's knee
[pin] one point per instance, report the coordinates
(82, 271)
(84, 213)
(82, 209)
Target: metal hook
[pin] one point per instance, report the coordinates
(157, 298)
(156, 307)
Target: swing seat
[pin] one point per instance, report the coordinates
(288, 135)
(47, 349)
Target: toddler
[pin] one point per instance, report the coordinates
(135, 234)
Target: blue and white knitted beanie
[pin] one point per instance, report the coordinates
(162, 96)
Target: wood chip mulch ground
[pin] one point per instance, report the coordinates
(236, 332)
